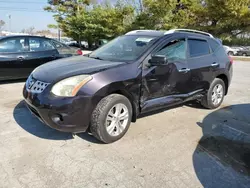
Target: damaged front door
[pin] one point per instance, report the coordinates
(165, 84)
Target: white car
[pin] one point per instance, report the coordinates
(86, 52)
(230, 51)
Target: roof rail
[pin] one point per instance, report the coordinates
(135, 31)
(188, 30)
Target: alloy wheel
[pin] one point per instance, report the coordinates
(117, 119)
(217, 94)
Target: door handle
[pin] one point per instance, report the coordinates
(20, 58)
(53, 56)
(214, 64)
(184, 70)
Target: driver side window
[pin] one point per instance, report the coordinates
(174, 50)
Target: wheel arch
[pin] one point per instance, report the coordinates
(135, 108)
(225, 80)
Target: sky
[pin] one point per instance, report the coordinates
(25, 14)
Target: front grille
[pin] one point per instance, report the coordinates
(35, 86)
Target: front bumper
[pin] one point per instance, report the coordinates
(67, 114)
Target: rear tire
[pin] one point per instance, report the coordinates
(215, 94)
(244, 54)
(111, 118)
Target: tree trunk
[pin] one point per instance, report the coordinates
(90, 44)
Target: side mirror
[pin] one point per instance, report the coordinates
(158, 60)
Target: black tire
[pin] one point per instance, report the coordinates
(230, 53)
(100, 113)
(207, 99)
(244, 54)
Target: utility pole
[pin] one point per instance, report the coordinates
(9, 16)
(59, 34)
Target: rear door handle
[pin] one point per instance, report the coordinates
(20, 58)
(184, 70)
(214, 64)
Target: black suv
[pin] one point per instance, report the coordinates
(139, 72)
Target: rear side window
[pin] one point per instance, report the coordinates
(214, 45)
(40, 44)
(198, 47)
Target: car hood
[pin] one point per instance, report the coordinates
(67, 67)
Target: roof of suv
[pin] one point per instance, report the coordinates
(172, 31)
(147, 32)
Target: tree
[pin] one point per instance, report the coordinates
(85, 21)
(223, 18)
(2, 23)
(166, 14)
(30, 30)
(52, 26)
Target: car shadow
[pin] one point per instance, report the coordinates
(222, 156)
(88, 137)
(31, 124)
(195, 104)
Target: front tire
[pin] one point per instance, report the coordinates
(215, 94)
(111, 118)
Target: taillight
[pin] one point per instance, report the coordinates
(79, 52)
(231, 59)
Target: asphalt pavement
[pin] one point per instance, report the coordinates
(183, 147)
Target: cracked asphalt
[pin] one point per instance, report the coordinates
(183, 147)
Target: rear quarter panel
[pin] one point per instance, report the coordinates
(225, 65)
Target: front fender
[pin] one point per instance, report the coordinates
(125, 80)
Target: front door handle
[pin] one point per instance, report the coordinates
(184, 70)
(53, 56)
(214, 64)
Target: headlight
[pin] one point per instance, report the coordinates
(70, 86)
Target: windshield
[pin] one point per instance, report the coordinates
(124, 48)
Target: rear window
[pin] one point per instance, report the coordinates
(40, 44)
(198, 47)
(58, 45)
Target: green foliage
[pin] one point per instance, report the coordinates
(223, 18)
(166, 14)
(237, 41)
(219, 17)
(52, 26)
(88, 20)
(85, 21)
